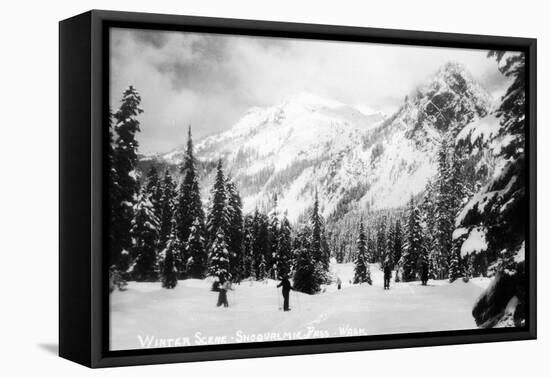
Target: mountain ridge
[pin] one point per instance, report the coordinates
(373, 161)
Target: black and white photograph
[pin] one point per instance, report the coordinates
(265, 189)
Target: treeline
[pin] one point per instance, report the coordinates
(159, 229)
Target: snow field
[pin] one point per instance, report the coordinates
(147, 315)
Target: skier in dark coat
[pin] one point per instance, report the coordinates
(285, 284)
(222, 293)
(387, 276)
(424, 274)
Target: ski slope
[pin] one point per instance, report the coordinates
(148, 316)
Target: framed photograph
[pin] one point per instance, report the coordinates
(235, 188)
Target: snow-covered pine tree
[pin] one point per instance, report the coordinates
(284, 248)
(316, 226)
(413, 243)
(195, 251)
(424, 264)
(218, 216)
(166, 209)
(397, 247)
(234, 230)
(126, 185)
(308, 274)
(262, 269)
(189, 205)
(218, 260)
(362, 270)
(153, 187)
(144, 233)
(498, 211)
(248, 243)
(318, 242)
(274, 228)
(455, 267)
(381, 240)
(371, 246)
(169, 271)
(260, 244)
(390, 241)
(444, 217)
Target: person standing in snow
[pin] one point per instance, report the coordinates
(285, 284)
(387, 276)
(223, 287)
(338, 283)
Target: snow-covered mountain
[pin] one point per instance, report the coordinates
(308, 143)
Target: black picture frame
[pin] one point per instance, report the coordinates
(83, 103)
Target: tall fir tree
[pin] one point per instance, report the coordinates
(153, 187)
(169, 270)
(196, 251)
(218, 216)
(144, 233)
(234, 230)
(125, 183)
(189, 204)
(274, 226)
(397, 244)
(218, 260)
(309, 274)
(248, 248)
(260, 244)
(284, 248)
(455, 268)
(381, 240)
(316, 225)
(500, 207)
(413, 243)
(362, 270)
(166, 209)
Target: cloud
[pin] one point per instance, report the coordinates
(210, 80)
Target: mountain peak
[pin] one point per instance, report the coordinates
(310, 99)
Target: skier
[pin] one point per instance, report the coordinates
(338, 283)
(424, 274)
(387, 276)
(285, 284)
(222, 293)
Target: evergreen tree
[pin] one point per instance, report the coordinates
(455, 269)
(444, 217)
(144, 234)
(124, 178)
(262, 270)
(196, 252)
(424, 264)
(260, 243)
(169, 255)
(309, 274)
(154, 188)
(166, 209)
(362, 270)
(248, 247)
(218, 261)
(500, 208)
(397, 244)
(234, 230)
(381, 240)
(274, 226)
(316, 225)
(218, 216)
(413, 243)
(371, 248)
(284, 249)
(189, 205)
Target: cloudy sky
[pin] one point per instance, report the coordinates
(209, 80)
